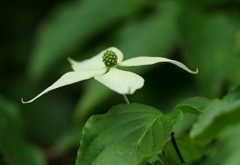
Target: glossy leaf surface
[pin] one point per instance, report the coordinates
(127, 134)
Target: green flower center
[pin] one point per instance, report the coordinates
(109, 58)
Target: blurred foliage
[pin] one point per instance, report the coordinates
(217, 116)
(13, 143)
(38, 36)
(226, 150)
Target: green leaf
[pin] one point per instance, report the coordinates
(71, 25)
(13, 145)
(190, 107)
(154, 159)
(198, 102)
(127, 134)
(190, 150)
(226, 150)
(194, 105)
(217, 116)
(185, 108)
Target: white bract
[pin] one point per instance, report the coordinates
(122, 82)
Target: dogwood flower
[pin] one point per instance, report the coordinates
(103, 68)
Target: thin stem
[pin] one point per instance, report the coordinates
(176, 148)
(126, 99)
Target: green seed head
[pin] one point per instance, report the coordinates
(109, 58)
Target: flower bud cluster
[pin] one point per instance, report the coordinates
(109, 58)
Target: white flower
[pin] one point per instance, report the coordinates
(103, 69)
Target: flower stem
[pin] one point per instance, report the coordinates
(176, 148)
(126, 99)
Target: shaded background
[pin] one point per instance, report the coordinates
(38, 36)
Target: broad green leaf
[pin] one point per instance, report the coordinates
(127, 134)
(13, 145)
(226, 150)
(190, 150)
(217, 116)
(71, 25)
(156, 36)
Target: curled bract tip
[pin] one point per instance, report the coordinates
(23, 101)
(196, 71)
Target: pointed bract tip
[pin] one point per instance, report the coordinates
(70, 60)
